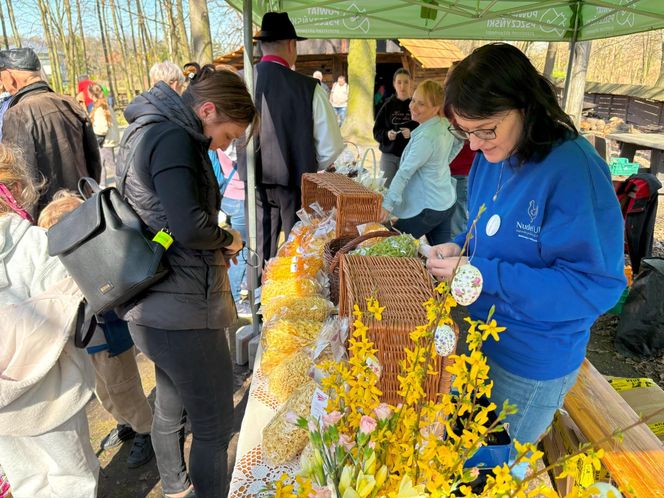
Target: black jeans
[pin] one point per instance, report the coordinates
(436, 225)
(194, 376)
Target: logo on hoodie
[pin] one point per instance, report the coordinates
(529, 230)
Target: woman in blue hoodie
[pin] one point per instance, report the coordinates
(550, 244)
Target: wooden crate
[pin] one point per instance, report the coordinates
(355, 204)
(402, 285)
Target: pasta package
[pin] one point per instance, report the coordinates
(283, 441)
(283, 338)
(286, 377)
(315, 308)
(289, 335)
(284, 268)
(300, 287)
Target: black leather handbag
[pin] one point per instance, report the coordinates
(106, 248)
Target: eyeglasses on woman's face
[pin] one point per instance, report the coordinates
(482, 134)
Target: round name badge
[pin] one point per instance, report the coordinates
(493, 225)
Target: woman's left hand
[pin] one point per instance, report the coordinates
(443, 269)
(385, 215)
(406, 133)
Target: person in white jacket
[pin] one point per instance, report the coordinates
(45, 382)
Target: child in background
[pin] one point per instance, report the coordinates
(118, 382)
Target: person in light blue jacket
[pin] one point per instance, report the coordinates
(422, 193)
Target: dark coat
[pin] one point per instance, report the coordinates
(196, 293)
(55, 136)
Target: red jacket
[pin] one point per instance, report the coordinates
(460, 165)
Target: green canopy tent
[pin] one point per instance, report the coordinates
(537, 20)
(533, 20)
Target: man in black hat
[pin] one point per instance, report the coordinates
(53, 132)
(298, 132)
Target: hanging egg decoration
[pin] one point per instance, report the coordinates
(445, 340)
(466, 285)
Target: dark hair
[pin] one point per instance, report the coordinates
(498, 77)
(225, 89)
(399, 71)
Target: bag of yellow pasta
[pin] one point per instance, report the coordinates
(286, 377)
(284, 268)
(300, 287)
(282, 439)
(282, 338)
(292, 308)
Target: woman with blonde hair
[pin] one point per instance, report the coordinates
(422, 193)
(44, 379)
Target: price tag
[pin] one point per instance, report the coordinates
(319, 403)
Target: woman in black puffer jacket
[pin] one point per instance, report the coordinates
(179, 323)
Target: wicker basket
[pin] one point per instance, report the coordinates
(342, 245)
(402, 285)
(355, 203)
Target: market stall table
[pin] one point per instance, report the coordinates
(629, 143)
(251, 472)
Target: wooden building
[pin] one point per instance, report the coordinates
(423, 58)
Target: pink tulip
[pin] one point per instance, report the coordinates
(346, 442)
(291, 418)
(383, 411)
(321, 493)
(367, 424)
(331, 419)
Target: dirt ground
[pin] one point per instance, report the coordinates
(117, 481)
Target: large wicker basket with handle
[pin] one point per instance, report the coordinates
(402, 285)
(343, 245)
(355, 203)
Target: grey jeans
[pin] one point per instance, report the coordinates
(389, 164)
(194, 379)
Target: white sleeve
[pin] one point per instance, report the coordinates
(327, 137)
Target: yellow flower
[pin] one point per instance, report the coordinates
(365, 484)
(491, 329)
(407, 490)
(284, 490)
(375, 308)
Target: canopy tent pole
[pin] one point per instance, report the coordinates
(570, 62)
(253, 260)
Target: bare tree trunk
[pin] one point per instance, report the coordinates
(201, 39)
(574, 104)
(102, 29)
(170, 31)
(72, 48)
(182, 31)
(361, 75)
(550, 62)
(52, 48)
(119, 34)
(4, 28)
(56, 21)
(146, 67)
(81, 34)
(12, 21)
(144, 33)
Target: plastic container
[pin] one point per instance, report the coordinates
(621, 166)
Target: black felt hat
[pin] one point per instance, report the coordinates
(21, 59)
(277, 26)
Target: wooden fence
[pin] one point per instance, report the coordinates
(637, 105)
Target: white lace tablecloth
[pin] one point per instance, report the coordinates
(251, 473)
